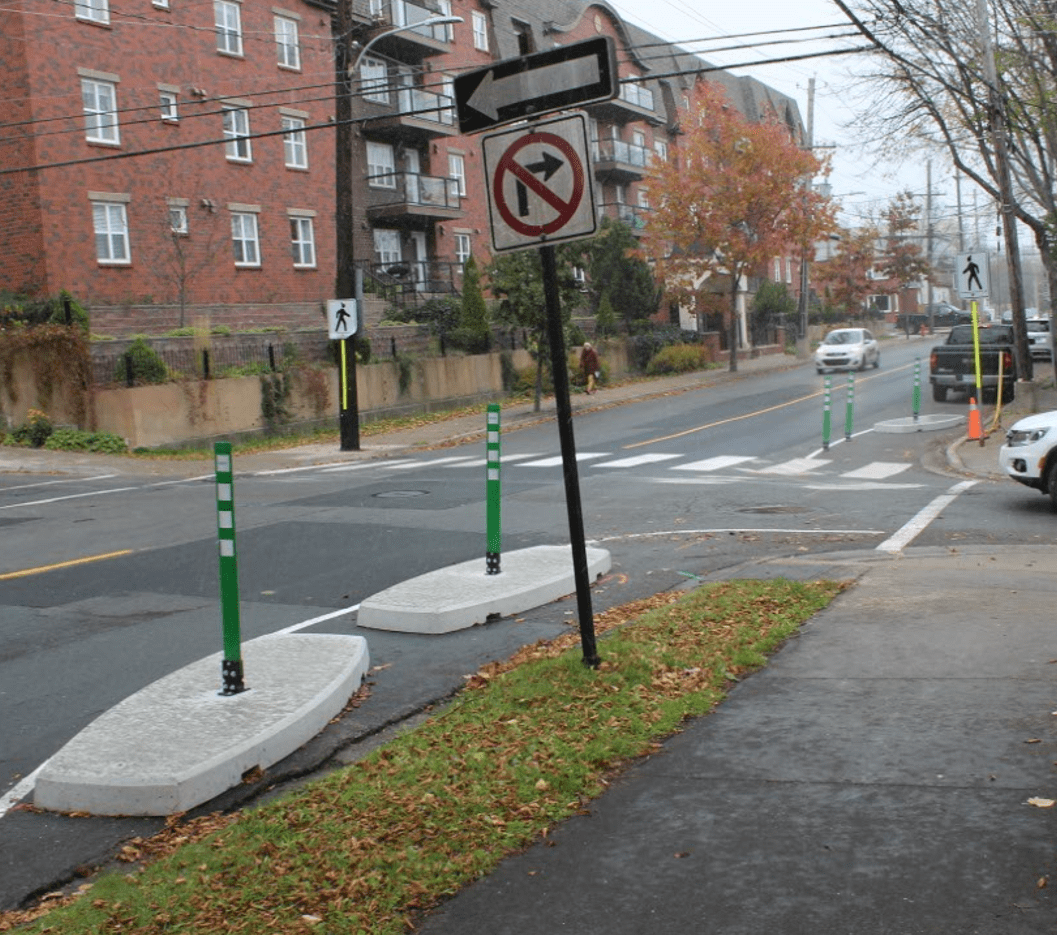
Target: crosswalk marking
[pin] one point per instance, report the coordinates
(877, 470)
(452, 461)
(636, 460)
(713, 464)
(794, 466)
(556, 461)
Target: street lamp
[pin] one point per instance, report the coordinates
(348, 281)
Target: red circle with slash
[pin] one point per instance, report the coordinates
(565, 209)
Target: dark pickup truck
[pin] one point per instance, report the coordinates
(952, 364)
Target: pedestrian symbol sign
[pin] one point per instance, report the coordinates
(539, 184)
(341, 318)
(972, 273)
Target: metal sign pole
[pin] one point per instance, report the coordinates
(231, 668)
(574, 508)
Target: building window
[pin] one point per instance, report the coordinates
(480, 31)
(229, 27)
(237, 134)
(444, 9)
(789, 269)
(96, 11)
(374, 81)
(100, 111)
(386, 246)
(168, 106)
(111, 232)
(302, 242)
(244, 239)
(526, 44)
(295, 146)
(463, 248)
(161, 4)
(381, 166)
(457, 171)
(178, 219)
(286, 41)
(660, 149)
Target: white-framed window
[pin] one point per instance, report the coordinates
(302, 242)
(160, 4)
(169, 100)
(463, 248)
(381, 165)
(789, 269)
(178, 218)
(99, 99)
(110, 223)
(387, 246)
(644, 198)
(374, 81)
(777, 277)
(237, 134)
(444, 9)
(480, 31)
(295, 144)
(660, 149)
(288, 46)
(95, 11)
(244, 238)
(457, 171)
(228, 19)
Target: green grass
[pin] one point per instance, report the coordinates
(525, 745)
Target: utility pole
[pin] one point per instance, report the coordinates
(929, 305)
(997, 119)
(345, 221)
(802, 345)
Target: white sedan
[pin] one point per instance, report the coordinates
(847, 349)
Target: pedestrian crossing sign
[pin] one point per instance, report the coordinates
(341, 318)
(972, 273)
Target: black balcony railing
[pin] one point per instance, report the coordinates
(414, 189)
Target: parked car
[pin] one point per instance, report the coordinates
(847, 349)
(1029, 455)
(1040, 340)
(952, 365)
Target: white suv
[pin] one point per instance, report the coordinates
(1040, 342)
(1029, 455)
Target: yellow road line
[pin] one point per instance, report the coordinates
(26, 572)
(750, 415)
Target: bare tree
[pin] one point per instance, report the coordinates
(999, 129)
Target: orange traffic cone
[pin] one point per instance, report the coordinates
(976, 429)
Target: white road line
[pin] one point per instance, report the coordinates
(67, 480)
(837, 441)
(910, 531)
(452, 461)
(557, 460)
(794, 466)
(72, 496)
(878, 470)
(307, 623)
(713, 464)
(359, 465)
(19, 791)
(636, 460)
(755, 530)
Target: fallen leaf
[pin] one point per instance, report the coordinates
(681, 854)
(1033, 740)
(1039, 802)
(1040, 884)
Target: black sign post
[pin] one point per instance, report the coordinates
(516, 88)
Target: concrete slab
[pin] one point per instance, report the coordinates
(931, 422)
(178, 743)
(463, 595)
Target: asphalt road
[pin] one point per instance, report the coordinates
(693, 486)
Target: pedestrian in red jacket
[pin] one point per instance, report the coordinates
(589, 365)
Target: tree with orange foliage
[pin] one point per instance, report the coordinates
(845, 278)
(735, 196)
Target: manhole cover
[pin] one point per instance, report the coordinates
(774, 509)
(401, 494)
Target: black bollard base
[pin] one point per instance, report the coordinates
(231, 670)
(492, 563)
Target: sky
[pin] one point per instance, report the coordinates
(861, 185)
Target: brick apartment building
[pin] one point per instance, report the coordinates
(169, 159)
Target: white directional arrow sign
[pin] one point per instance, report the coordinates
(558, 79)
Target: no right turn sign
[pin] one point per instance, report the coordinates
(972, 274)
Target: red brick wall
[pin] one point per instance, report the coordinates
(186, 57)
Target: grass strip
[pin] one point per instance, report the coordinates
(528, 743)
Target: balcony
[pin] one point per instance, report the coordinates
(414, 43)
(619, 162)
(635, 102)
(417, 116)
(633, 215)
(411, 199)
